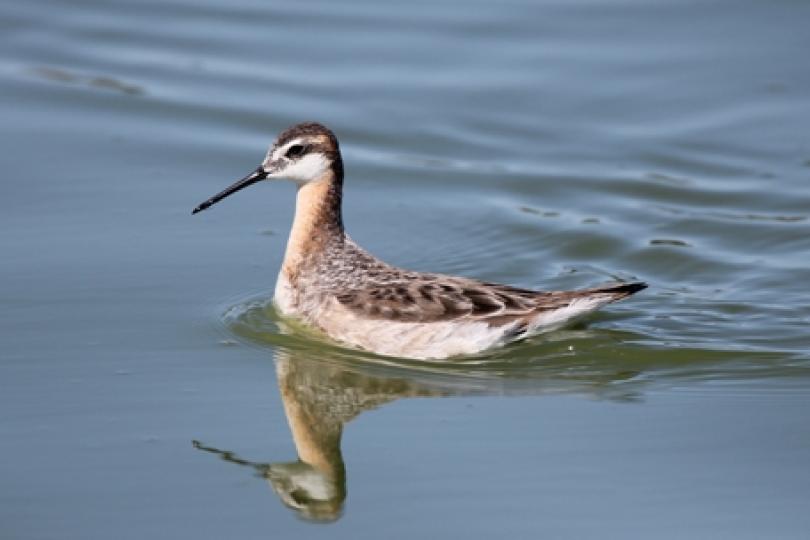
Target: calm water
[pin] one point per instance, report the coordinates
(147, 390)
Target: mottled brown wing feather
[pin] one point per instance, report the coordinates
(430, 300)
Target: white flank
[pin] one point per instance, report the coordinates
(423, 341)
(551, 320)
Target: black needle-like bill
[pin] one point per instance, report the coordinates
(252, 178)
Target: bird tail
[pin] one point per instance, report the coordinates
(618, 291)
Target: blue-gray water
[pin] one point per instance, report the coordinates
(543, 144)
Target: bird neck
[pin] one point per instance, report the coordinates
(318, 221)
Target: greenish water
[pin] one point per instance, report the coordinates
(147, 390)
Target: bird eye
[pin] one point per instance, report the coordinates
(295, 151)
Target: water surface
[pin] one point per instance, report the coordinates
(543, 144)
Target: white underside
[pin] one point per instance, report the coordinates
(433, 340)
(283, 296)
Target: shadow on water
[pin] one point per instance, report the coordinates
(323, 387)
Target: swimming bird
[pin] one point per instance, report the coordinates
(332, 284)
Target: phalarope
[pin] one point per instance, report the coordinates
(333, 284)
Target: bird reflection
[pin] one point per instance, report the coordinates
(321, 392)
(319, 399)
